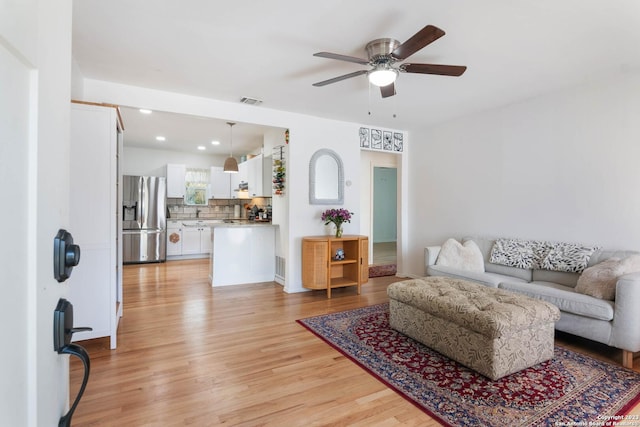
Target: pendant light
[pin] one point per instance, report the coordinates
(231, 164)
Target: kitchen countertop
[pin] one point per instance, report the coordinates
(221, 223)
(242, 224)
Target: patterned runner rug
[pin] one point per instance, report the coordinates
(570, 389)
(382, 270)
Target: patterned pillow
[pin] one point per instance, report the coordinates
(569, 257)
(517, 253)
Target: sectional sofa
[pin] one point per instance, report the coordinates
(603, 306)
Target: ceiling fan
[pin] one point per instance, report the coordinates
(385, 53)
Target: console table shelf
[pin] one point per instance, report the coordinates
(320, 269)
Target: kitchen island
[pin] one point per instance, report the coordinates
(242, 252)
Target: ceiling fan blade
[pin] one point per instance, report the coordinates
(443, 70)
(425, 36)
(388, 90)
(339, 78)
(341, 57)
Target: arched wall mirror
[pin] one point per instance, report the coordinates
(326, 178)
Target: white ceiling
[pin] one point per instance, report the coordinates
(186, 132)
(514, 50)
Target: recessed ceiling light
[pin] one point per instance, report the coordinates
(145, 111)
(215, 142)
(160, 138)
(201, 147)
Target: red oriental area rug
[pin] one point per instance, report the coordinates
(570, 389)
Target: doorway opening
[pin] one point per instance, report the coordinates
(385, 217)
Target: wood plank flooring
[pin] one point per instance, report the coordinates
(192, 355)
(384, 253)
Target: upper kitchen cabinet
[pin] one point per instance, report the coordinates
(94, 219)
(176, 180)
(258, 172)
(220, 183)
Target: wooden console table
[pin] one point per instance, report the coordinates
(320, 268)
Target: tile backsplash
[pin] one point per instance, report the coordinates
(216, 209)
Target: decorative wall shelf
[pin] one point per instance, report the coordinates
(279, 170)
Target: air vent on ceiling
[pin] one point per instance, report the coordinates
(250, 101)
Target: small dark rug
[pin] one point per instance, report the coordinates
(570, 389)
(382, 270)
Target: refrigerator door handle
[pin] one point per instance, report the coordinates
(145, 199)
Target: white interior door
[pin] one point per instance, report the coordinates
(15, 86)
(35, 63)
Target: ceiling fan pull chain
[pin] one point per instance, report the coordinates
(395, 105)
(369, 99)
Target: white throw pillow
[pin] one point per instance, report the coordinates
(600, 280)
(464, 257)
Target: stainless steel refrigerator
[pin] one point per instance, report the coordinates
(144, 225)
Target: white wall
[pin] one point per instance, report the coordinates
(559, 167)
(144, 161)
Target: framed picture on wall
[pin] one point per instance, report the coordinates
(364, 137)
(387, 141)
(383, 140)
(397, 141)
(376, 139)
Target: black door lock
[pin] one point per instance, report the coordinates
(66, 255)
(63, 331)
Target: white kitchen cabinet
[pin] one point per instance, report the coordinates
(257, 171)
(254, 175)
(205, 240)
(196, 240)
(241, 177)
(95, 288)
(174, 237)
(190, 241)
(175, 180)
(220, 183)
(234, 184)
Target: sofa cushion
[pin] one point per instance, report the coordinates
(600, 280)
(565, 298)
(485, 246)
(568, 257)
(517, 253)
(561, 277)
(487, 279)
(464, 256)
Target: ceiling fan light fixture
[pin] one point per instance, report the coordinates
(382, 76)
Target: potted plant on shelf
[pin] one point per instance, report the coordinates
(337, 217)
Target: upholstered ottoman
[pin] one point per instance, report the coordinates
(492, 331)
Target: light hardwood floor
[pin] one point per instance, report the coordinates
(189, 354)
(384, 253)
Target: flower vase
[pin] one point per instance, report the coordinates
(338, 230)
(330, 229)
